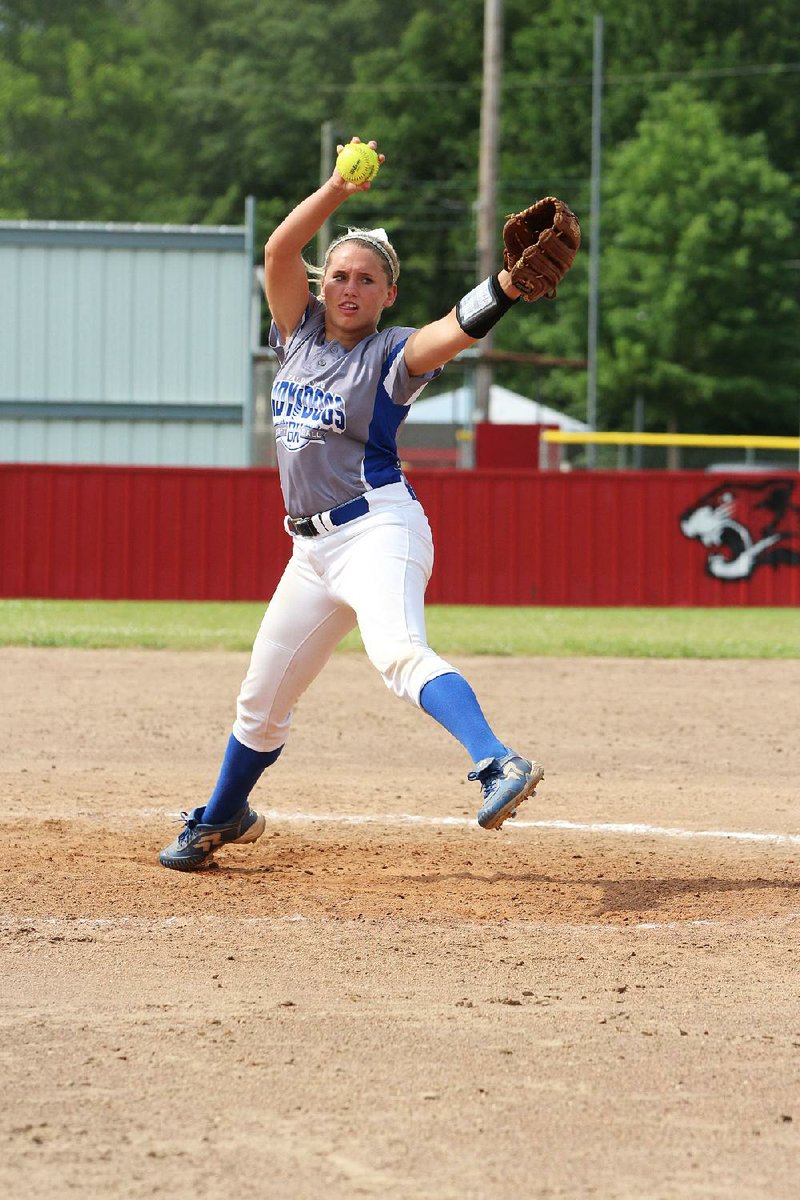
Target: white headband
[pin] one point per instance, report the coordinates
(376, 237)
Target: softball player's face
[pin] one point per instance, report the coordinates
(356, 291)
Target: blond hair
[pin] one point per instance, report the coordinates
(371, 239)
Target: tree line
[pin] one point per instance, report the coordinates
(173, 111)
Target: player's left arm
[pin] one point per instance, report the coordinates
(435, 344)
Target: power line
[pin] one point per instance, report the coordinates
(526, 82)
(707, 73)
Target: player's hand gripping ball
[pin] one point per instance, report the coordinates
(357, 162)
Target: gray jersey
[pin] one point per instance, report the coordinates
(336, 412)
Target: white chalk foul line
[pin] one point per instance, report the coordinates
(624, 828)
(389, 820)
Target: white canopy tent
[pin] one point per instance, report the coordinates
(505, 408)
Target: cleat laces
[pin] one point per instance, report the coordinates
(189, 823)
(488, 778)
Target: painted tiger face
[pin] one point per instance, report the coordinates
(752, 524)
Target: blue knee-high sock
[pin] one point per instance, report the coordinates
(239, 773)
(450, 700)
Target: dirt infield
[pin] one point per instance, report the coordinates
(378, 999)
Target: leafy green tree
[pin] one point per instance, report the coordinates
(81, 101)
(262, 78)
(426, 115)
(743, 57)
(152, 110)
(699, 314)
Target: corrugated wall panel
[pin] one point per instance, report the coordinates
(9, 319)
(147, 334)
(103, 324)
(115, 332)
(58, 300)
(163, 443)
(90, 300)
(117, 324)
(232, 329)
(140, 533)
(176, 360)
(502, 537)
(593, 538)
(31, 348)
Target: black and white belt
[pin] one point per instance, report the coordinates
(326, 522)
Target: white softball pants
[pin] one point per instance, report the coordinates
(372, 572)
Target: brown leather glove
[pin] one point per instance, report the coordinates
(540, 247)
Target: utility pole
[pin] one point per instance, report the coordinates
(327, 160)
(487, 178)
(594, 245)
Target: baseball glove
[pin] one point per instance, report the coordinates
(540, 247)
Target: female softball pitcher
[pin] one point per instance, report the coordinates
(361, 544)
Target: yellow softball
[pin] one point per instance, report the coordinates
(357, 162)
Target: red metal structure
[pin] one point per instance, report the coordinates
(517, 537)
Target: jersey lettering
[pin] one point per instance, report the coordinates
(303, 412)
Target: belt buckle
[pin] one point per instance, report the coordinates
(304, 526)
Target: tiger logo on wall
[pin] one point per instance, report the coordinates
(753, 524)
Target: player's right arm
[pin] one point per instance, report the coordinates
(285, 278)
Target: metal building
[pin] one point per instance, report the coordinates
(127, 344)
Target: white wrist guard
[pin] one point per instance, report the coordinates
(483, 307)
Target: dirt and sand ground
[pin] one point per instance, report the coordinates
(378, 999)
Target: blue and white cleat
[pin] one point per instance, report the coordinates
(505, 783)
(194, 846)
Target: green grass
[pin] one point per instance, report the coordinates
(452, 629)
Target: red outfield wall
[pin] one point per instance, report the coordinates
(502, 536)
